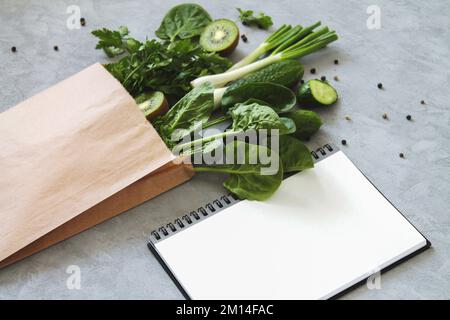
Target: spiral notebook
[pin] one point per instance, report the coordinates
(324, 231)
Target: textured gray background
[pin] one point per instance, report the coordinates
(409, 55)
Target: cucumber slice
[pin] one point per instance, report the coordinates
(221, 36)
(152, 104)
(316, 93)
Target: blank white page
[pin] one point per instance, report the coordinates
(324, 230)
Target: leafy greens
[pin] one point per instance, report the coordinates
(183, 22)
(260, 20)
(158, 66)
(246, 179)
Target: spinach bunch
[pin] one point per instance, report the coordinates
(245, 116)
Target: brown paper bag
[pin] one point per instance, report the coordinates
(73, 156)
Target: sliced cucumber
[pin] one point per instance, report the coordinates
(316, 93)
(152, 104)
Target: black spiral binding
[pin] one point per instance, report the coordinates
(192, 217)
(323, 152)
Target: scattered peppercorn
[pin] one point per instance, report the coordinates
(409, 117)
(422, 102)
(83, 21)
(348, 118)
(13, 49)
(401, 155)
(245, 23)
(385, 116)
(244, 38)
(313, 70)
(336, 61)
(55, 48)
(380, 86)
(344, 142)
(323, 78)
(336, 78)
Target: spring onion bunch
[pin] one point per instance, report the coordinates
(286, 43)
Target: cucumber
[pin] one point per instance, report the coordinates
(306, 121)
(152, 104)
(316, 93)
(286, 72)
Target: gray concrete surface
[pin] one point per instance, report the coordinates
(409, 55)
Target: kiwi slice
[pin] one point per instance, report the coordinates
(152, 104)
(221, 36)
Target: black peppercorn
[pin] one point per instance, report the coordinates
(13, 49)
(313, 70)
(244, 38)
(55, 48)
(323, 78)
(385, 116)
(401, 155)
(422, 102)
(344, 142)
(244, 23)
(408, 117)
(380, 86)
(336, 78)
(83, 21)
(336, 61)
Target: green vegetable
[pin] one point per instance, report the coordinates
(183, 21)
(115, 43)
(164, 67)
(286, 73)
(260, 20)
(280, 98)
(287, 43)
(186, 115)
(246, 117)
(307, 123)
(316, 93)
(294, 155)
(247, 180)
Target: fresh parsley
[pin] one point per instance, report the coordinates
(154, 65)
(260, 20)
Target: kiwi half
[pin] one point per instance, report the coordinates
(152, 104)
(221, 36)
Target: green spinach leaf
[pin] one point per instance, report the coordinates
(256, 116)
(247, 180)
(294, 155)
(307, 123)
(183, 21)
(186, 115)
(280, 98)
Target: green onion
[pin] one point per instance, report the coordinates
(286, 43)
